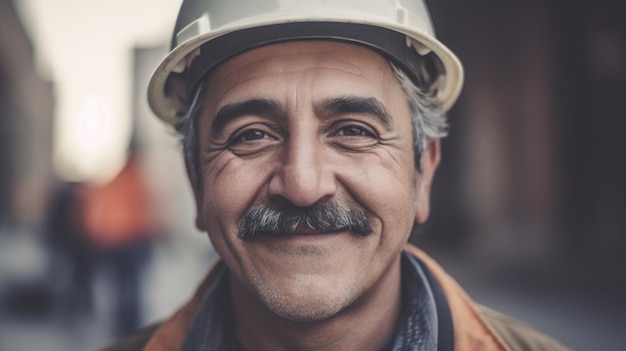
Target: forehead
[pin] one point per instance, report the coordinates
(321, 66)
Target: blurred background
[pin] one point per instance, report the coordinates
(528, 206)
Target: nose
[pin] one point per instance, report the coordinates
(304, 176)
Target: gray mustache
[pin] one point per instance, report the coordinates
(283, 218)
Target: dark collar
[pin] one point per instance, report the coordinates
(425, 324)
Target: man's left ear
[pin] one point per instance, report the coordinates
(429, 162)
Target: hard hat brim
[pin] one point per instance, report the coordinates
(217, 46)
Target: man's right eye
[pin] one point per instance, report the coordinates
(252, 138)
(251, 135)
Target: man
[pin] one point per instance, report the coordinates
(311, 133)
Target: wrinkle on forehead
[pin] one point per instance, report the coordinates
(295, 70)
(229, 86)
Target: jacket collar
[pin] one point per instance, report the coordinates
(471, 330)
(212, 328)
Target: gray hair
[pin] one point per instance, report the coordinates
(429, 120)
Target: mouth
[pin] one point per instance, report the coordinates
(305, 231)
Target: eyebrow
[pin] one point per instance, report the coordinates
(328, 107)
(357, 105)
(230, 112)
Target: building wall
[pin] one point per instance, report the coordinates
(26, 110)
(532, 173)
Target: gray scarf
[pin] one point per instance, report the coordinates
(212, 328)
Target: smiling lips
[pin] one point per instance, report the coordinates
(303, 230)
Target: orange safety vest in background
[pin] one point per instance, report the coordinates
(118, 213)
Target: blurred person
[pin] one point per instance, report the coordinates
(311, 137)
(71, 268)
(117, 221)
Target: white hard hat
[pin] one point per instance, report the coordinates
(209, 32)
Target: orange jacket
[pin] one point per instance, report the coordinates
(475, 327)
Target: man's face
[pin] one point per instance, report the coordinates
(298, 124)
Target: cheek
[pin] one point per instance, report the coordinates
(385, 186)
(229, 190)
(231, 185)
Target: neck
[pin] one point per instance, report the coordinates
(364, 325)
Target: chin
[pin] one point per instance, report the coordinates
(306, 303)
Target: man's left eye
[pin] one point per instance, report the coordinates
(354, 131)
